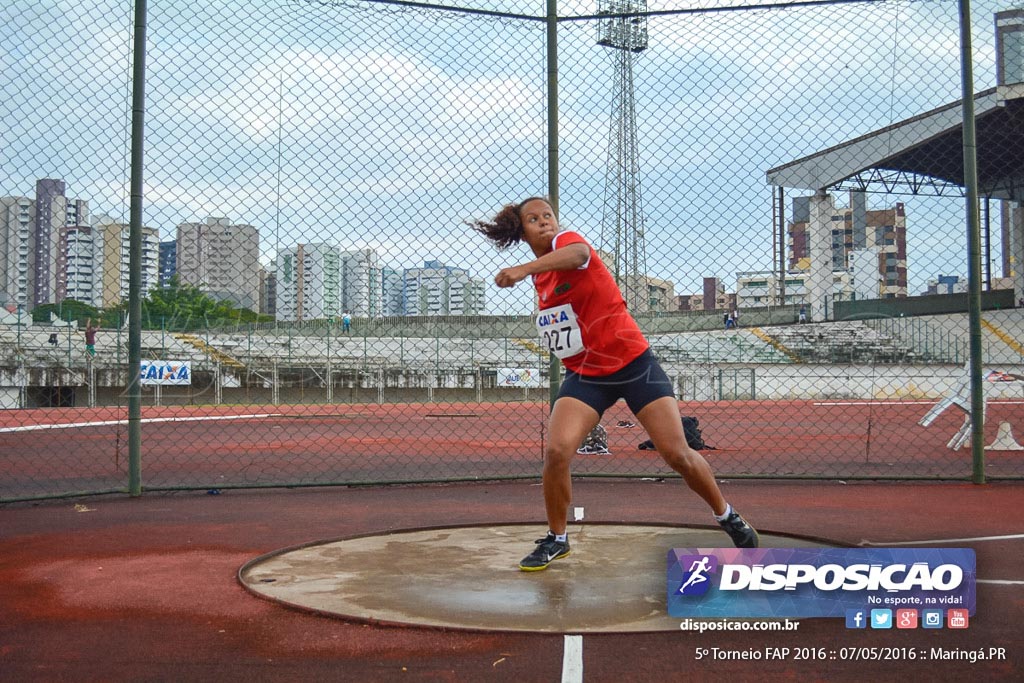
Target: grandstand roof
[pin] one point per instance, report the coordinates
(924, 154)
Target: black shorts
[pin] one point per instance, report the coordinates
(640, 382)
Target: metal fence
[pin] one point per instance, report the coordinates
(315, 310)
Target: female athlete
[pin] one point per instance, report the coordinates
(583, 320)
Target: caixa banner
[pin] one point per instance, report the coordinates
(816, 582)
(166, 372)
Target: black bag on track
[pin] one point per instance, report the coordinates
(694, 439)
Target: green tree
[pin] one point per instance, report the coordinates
(183, 307)
(68, 309)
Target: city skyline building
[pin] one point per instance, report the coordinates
(437, 289)
(855, 228)
(54, 211)
(713, 297)
(168, 261)
(114, 262)
(17, 216)
(268, 292)
(762, 288)
(393, 295)
(221, 259)
(79, 265)
(362, 291)
(308, 285)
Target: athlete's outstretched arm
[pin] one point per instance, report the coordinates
(569, 257)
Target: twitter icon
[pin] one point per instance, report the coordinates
(881, 618)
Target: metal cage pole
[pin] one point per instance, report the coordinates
(973, 247)
(134, 389)
(554, 367)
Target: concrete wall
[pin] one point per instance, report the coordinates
(704, 382)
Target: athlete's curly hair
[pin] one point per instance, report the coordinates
(506, 228)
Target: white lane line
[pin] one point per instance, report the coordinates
(572, 660)
(106, 423)
(901, 403)
(946, 540)
(873, 403)
(1000, 582)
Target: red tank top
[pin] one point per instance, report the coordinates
(583, 318)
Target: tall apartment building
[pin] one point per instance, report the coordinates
(221, 259)
(393, 291)
(856, 228)
(168, 264)
(53, 212)
(362, 291)
(437, 289)
(268, 292)
(308, 282)
(114, 261)
(79, 265)
(17, 222)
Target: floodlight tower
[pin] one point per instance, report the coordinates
(622, 220)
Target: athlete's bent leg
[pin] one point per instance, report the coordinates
(571, 421)
(661, 420)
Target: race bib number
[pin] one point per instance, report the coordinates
(559, 331)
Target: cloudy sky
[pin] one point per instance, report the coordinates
(371, 125)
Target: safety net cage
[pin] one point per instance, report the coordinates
(779, 191)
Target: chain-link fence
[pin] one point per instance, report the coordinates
(778, 191)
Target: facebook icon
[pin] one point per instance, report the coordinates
(856, 618)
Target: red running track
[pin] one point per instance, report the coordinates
(124, 589)
(50, 451)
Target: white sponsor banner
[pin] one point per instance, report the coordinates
(166, 372)
(519, 377)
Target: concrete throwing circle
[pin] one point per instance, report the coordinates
(468, 577)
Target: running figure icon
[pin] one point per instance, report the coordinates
(698, 570)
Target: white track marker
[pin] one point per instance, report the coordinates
(1004, 440)
(940, 541)
(577, 514)
(572, 660)
(1000, 582)
(149, 420)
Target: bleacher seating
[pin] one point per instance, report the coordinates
(842, 342)
(911, 340)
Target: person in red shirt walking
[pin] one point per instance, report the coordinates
(583, 320)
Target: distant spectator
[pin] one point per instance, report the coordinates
(90, 337)
(346, 323)
(735, 317)
(803, 314)
(727, 319)
(730, 321)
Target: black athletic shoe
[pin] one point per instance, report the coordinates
(742, 534)
(547, 549)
